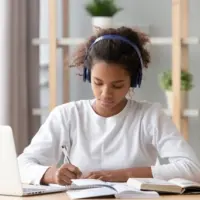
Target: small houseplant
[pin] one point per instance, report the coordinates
(166, 85)
(102, 12)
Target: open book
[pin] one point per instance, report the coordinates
(88, 188)
(176, 185)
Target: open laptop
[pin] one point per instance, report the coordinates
(10, 182)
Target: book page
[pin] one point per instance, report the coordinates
(184, 183)
(152, 181)
(124, 191)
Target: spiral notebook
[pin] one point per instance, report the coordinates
(91, 188)
(81, 184)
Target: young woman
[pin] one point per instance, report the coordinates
(109, 137)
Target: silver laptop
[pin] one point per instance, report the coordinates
(10, 182)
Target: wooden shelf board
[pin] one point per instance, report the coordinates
(187, 112)
(75, 41)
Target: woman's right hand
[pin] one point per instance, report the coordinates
(62, 175)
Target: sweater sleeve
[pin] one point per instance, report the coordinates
(43, 151)
(170, 144)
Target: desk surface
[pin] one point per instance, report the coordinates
(63, 196)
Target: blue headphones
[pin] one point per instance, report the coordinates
(134, 83)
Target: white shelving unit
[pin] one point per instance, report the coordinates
(179, 43)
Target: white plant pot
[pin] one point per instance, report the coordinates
(101, 22)
(169, 97)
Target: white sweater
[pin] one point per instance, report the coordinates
(133, 138)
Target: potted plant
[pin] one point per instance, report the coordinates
(166, 85)
(102, 12)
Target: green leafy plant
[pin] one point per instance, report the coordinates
(106, 8)
(166, 80)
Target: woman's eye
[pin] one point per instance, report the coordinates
(97, 83)
(118, 86)
(113, 86)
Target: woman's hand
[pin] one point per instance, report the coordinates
(108, 175)
(121, 175)
(62, 175)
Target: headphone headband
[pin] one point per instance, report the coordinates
(119, 37)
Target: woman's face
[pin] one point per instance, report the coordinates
(110, 84)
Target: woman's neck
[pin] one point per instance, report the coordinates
(109, 112)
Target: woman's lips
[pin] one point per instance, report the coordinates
(107, 103)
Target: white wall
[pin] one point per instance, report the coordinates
(140, 13)
(157, 15)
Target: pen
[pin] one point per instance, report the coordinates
(64, 150)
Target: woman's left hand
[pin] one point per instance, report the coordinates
(108, 175)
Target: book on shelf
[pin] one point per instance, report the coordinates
(175, 186)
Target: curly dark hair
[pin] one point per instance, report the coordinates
(114, 51)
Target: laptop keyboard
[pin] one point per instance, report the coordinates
(27, 190)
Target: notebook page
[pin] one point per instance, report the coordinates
(88, 193)
(82, 182)
(57, 185)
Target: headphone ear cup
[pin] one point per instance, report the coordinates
(89, 75)
(133, 83)
(86, 74)
(138, 79)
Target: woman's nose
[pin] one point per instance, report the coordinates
(106, 91)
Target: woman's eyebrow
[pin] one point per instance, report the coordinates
(98, 79)
(117, 81)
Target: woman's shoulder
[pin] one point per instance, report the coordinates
(150, 113)
(145, 105)
(68, 108)
(147, 108)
